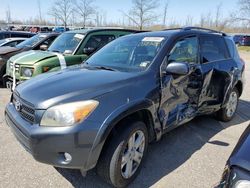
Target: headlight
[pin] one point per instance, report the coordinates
(68, 114)
(27, 72)
(242, 184)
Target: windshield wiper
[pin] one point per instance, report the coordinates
(57, 51)
(104, 68)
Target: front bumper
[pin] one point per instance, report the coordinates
(9, 81)
(48, 144)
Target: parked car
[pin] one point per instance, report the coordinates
(34, 43)
(70, 48)
(46, 29)
(237, 170)
(104, 113)
(12, 42)
(237, 38)
(245, 41)
(12, 34)
(35, 29)
(60, 29)
(27, 28)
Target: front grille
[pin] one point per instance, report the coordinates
(17, 67)
(25, 109)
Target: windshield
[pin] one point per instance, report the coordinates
(66, 42)
(31, 41)
(132, 53)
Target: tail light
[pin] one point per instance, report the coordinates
(243, 63)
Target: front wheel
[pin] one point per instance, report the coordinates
(227, 113)
(121, 160)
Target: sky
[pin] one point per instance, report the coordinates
(178, 9)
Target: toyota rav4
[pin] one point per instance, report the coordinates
(105, 112)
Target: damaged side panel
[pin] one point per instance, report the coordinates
(204, 90)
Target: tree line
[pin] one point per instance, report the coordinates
(143, 14)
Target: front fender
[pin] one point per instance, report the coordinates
(117, 115)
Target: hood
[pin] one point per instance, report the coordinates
(31, 57)
(70, 85)
(241, 154)
(6, 49)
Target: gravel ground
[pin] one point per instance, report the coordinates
(193, 155)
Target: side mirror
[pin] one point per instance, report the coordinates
(67, 52)
(88, 50)
(178, 68)
(44, 47)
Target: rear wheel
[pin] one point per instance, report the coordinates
(121, 160)
(227, 113)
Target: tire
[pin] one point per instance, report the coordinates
(109, 166)
(223, 114)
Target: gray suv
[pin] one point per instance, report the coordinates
(105, 112)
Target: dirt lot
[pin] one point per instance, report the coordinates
(193, 155)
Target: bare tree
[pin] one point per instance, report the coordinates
(62, 11)
(189, 20)
(218, 15)
(8, 15)
(39, 11)
(244, 12)
(85, 9)
(73, 19)
(165, 11)
(97, 19)
(220, 22)
(202, 20)
(142, 12)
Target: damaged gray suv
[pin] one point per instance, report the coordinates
(105, 112)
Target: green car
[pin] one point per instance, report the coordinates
(70, 48)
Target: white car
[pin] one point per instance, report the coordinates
(12, 42)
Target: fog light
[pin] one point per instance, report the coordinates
(68, 157)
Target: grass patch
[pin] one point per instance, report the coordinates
(244, 48)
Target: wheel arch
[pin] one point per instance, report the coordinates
(143, 111)
(239, 87)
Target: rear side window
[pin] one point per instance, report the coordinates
(98, 41)
(213, 48)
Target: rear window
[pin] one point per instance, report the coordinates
(232, 48)
(213, 48)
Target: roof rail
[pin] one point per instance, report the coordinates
(204, 29)
(177, 28)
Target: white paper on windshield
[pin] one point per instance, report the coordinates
(153, 39)
(79, 36)
(144, 64)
